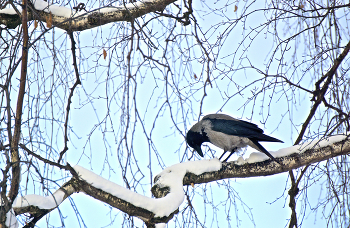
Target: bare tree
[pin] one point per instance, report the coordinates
(115, 85)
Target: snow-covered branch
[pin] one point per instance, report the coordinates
(168, 184)
(293, 157)
(78, 20)
(150, 210)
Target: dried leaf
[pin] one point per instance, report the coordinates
(192, 184)
(301, 6)
(35, 24)
(195, 76)
(104, 54)
(236, 8)
(49, 21)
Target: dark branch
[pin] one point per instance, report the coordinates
(228, 170)
(319, 93)
(47, 161)
(16, 172)
(77, 82)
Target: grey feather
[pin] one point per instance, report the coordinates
(227, 133)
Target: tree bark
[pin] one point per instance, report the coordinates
(90, 19)
(228, 170)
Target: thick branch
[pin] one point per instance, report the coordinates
(18, 118)
(76, 185)
(121, 204)
(228, 170)
(319, 93)
(319, 96)
(80, 22)
(269, 167)
(37, 213)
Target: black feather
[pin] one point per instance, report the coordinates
(208, 129)
(262, 149)
(195, 140)
(240, 128)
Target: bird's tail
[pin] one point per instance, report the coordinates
(262, 149)
(266, 138)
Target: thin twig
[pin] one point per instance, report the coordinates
(319, 93)
(318, 98)
(77, 82)
(46, 161)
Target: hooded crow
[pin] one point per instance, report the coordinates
(228, 133)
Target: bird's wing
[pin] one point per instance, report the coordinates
(240, 128)
(234, 127)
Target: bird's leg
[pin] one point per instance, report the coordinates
(232, 151)
(223, 154)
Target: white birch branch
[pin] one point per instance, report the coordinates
(168, 184)
(71, 20)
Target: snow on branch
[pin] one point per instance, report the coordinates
(168, 188)
(38, 206)
(79, 19)
(11, 220)
(170, 178)
(149, 209)
(293, 157)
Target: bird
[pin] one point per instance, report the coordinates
(227, 133)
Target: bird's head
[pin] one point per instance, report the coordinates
(194, 140)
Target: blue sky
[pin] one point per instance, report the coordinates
(265, 198)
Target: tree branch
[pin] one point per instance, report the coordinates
(269, 167)
(319, 93)
(37, 213)
(299, 158)
(77, 82)
(47, 161)
(318, 98)
(79, 21)
(16, 172)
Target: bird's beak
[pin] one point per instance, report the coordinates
(199, 150)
